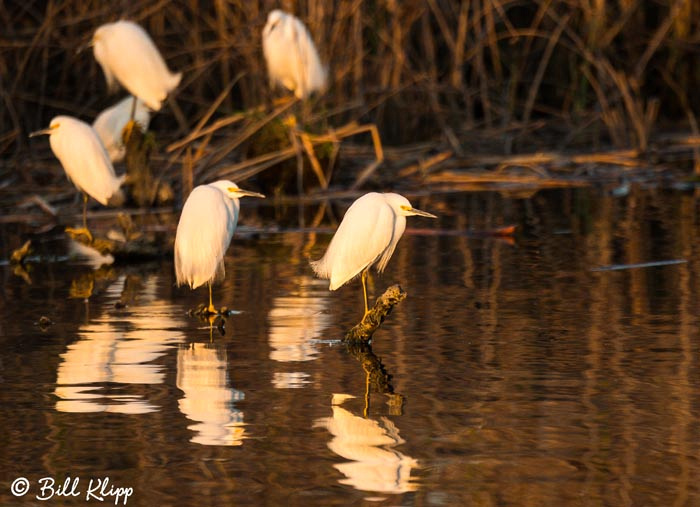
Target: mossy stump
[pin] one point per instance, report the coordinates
(362, 332)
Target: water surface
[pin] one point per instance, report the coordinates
(522, 371)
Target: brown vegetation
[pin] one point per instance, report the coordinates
(495, 77)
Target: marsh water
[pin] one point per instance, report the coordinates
(559, 366)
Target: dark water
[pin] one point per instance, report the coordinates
(521, 373)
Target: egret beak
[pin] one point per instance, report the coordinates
(245, 193)
(414, 211)
(83, 47)
(42, 132)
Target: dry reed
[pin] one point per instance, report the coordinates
(477, 75)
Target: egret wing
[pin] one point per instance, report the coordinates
(204, 233)
(85, 159)
(280, 55)
(365, 232)
(136, 63)
(311, 73)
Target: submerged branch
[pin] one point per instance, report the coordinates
(363, 331)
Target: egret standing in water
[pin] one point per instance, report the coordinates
(207, 223)
(291, 56)
(367, 235)
(127, 54)
(111, 122)
(84, 159)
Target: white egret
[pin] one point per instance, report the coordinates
(291, 56)
(84, 159)
(111, 122)
(367, 235)
(127, 54)
(207, 223)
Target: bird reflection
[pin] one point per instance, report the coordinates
(369, 445)
(290, 379)
(117, 351)
(207, 400)
(296, 319)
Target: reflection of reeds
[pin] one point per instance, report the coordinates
(441, 67)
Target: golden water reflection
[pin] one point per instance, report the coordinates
(207, 400)
(369, 444)
(296, 319)
(120, 350)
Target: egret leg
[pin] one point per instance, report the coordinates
(85, 201)
(84, 230)
(133, 109)
(211, 308)
(129, 127)
(364, 290)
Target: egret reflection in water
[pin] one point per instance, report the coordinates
(117, 349)
(374, 465)
(296, 319)
(207, 400)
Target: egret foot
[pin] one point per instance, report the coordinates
(215, 318)
(80, 231)
(203, 311)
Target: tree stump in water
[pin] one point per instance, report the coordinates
(362, 332)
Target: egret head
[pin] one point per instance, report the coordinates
(98, 38)
(403, 207)
(234, 191)
(273, 20)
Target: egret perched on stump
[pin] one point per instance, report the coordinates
(291, 56)
(84, 159)
(207, 223)
(367, 236)
(111, 122)
(127, 54)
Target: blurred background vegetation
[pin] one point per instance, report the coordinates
(496, 76)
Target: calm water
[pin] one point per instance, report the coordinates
(521, 373)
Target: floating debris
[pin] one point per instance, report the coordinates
(44, 322)
(21, 253)
(620, 267)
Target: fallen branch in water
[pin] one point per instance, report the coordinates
(363, 331)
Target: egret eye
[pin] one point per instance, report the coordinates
(405, 208)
